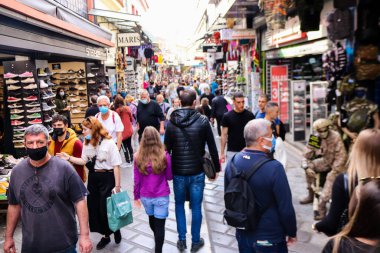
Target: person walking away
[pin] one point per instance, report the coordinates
(163, 105)
(204, 108)
(126, 117)
(133, 107)
(47, 193)
(203, 86)
(152, 171)
(64, 139)
(207, 94)
(218, 109)
(103, 177)
(214, 86)
(233, 124)
(149, 113)
(63, 107)
(93, 109)
(188, 128)
(365, 148)
(152, 91)
(362, 233)
(110, 120)
(276, 225)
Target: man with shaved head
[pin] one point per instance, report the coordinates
(149, 113)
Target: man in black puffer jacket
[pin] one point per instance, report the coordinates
(186, 136)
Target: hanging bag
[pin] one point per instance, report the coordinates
(119, 210)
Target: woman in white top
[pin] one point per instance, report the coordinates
(103, 160)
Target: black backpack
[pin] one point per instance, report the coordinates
(282, 131)
(239, 199)
(340, 24)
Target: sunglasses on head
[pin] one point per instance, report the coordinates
(367, 179)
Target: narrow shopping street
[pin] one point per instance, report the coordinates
(219, 238)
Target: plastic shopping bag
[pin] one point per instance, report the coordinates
(119, 210)
(280, 152)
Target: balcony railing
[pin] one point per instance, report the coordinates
(77, 6)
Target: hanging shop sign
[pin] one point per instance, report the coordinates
(318, 47)
(230, 34)
(128, 39)
(280, 90)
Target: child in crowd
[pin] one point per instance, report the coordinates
(152, 170)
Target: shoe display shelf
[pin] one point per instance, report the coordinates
(22, 98)
(130, 80)
(96, 77)
(72, 78)
(47, 96)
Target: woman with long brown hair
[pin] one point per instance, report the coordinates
(364, 161)
(362, 233)
(102, 158)
(152, 170)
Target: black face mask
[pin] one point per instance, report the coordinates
(58, 131)
(37, 154)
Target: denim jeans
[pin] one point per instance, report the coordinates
(195, 186)
(248, 245)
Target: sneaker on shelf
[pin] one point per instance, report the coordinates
(26, 74)
(13, 87)
(82, 82)
(34, 109)
(31, 98)
(45, 107)
(34, 116)
(31, 86)
(17, 122)
(83, 105)
(47, 71)
(82, 94)
(43, 85)
(70, 71)
(82, 88)
(35, 121)
(73, 106)
(15, 105)
(47, 118)
(16, 116)
(51, 104)
(18, 134)
(19, 145)
(11, 81)
(10, 75)
(50, 93)
(73, 89)
(73, 100)
(80, 76)
(34, 104)
(28, 80)
(45, 96)
(63, 83)
(91, 82)
(17, 111)
(83, 100)
(72, 83)
(18, 140)
(13, 99)
(41, 72)
(72, 95)
(19, 129)
(50, 83)
(76, 111)
(49, 128)
(71, 77)
(90, 75)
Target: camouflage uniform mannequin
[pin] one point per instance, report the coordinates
(331, 158)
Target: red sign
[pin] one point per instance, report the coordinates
(280, 90)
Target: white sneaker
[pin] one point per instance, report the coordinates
(90, 75)
(83, 105)
(30, 86)
(11, 81)
(73, 100)
(28, 80)
(13, 87)
(76, 111)
(43, 85)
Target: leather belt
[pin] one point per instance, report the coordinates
(103, 170)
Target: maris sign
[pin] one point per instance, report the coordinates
(128, 39)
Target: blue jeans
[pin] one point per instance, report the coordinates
(195, 186)
(157, 207)
(248, 245)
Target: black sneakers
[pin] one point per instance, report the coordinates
(117, 236)
(103, 243)
(181, 245)
(196, 246)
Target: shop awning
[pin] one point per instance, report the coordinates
(27, 14)
(124, 22)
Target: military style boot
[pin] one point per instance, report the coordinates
(321, 211)
(309, 199)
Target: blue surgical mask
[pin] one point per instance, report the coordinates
(273, 140)
(88, 137)
(103, 92)
(103, 109)
(144, 101)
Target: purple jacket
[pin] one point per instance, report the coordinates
(152, 185)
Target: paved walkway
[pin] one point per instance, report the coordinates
(219, 238)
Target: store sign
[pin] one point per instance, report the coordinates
(128, 39)
(318, 47)
(230, 34)
(94, 53)
(280, 90)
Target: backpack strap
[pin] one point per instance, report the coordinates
(113, 116)
(254, 168)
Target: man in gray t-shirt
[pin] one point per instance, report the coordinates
(46, 191)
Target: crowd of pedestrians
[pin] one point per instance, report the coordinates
(164, 134)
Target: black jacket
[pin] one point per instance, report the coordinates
(185, 160)
(218, 107)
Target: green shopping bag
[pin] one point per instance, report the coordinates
(119, 210)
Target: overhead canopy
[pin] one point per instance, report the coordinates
(243, 9)
(124, 22)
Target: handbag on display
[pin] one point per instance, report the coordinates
(119, 210)
(206, 161)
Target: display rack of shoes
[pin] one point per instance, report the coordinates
(72, 77)
(46, 87)
(96, 77)
(130, 80)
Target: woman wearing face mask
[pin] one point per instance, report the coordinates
(102, 158)
(176, 105)
(62, 104)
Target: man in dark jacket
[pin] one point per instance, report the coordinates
(93, 109)
(277, 224)
(218, 109)
(186, 136)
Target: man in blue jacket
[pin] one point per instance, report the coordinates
(277, 224)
